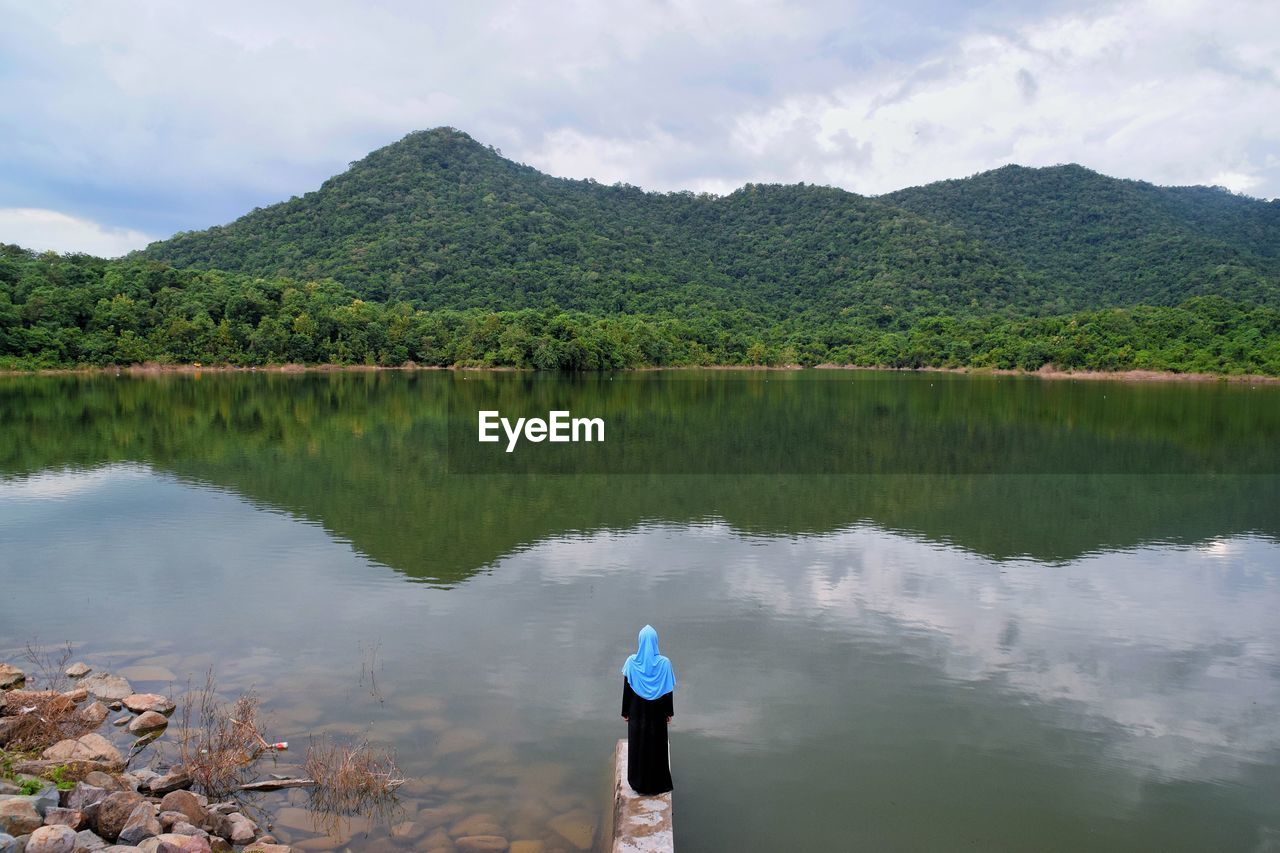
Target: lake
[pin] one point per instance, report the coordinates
(906, 611)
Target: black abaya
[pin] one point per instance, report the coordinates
(648, 764)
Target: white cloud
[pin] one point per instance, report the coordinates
(162, 117)
(49, 230)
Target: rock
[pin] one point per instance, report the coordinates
(170, 843)
(84, 795)
(112, 688)
(576, 827)
(6, 788)
(235, 827)
(431, 818)
(527, 847)
(19, 816)
(482, 844)
(90, 747)
(139, 702)
(408, 830)
(105, 781)
(47, 798)
(71, 769)
(146, 672)
(148, 721)
(121, 721)
(186, 804)
(176, 779)
(11, 677)
(78, 670)
(183, 828)
(476, 824)
(78, 695)
(59, 816)
(9, 844)
(87, 839)
(120, 848)
(188, 844)
(260, 847)
(94, 713)
(52, 839)
(114, 812)
(142, 824)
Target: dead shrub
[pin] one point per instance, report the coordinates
(218, 743)
(350, 779)
(33, 720)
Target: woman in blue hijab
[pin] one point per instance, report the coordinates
(648, 687)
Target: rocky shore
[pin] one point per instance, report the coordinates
(90, 792)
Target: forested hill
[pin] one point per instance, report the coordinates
(1107, 241)
(440, 221)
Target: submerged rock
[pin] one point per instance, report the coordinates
(78, 670)
(94, 713)
(174, 780)
(577, 828)
(482, 844)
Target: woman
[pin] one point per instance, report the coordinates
(647, 706)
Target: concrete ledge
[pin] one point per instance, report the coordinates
(640, 824)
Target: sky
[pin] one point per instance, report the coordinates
(127, 121)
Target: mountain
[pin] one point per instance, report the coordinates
(441, 221)
(445, 222)
(1104, 241)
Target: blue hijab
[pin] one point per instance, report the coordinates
(648, 672)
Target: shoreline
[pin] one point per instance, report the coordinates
(1047, 372)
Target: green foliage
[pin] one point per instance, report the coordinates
(441, 222)
(29, 787)
(78, 310)
(438, 251)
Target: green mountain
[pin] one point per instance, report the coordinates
(440, 221)
(1103, 241)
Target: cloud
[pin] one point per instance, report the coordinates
(49, 230)
(162, 117)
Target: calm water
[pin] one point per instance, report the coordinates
(891, 648)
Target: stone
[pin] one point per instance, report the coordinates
(11, 677)
(148, 721)
(9, 844)
(142, 824)
(84, 795)
(439, 816)
(90, 747)
(235, 827)
(576, 827)
(120, 848)
(114, 812)
(47, 798)
(94, 713)
(7, 788)
(183, 828)
(78, 670)
(52, 839)
(148, 673)
(527, 846)
(408, 830)
(111, 688)
(19, 816)
(176, 779)
(476, 824)
(171, 843)
(139, 702)
(105, 781)
(482, 844)
(260, 847)
(185, 803)
(59, 816)
(87, 839)
(78, 695)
